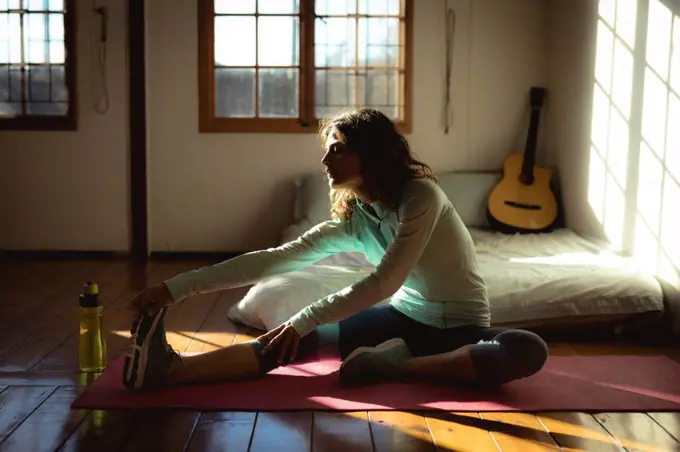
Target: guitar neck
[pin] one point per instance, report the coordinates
(529, 160)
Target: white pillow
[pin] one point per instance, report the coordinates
(270, 303)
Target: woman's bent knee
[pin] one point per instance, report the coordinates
(527, 351)
(511, 355)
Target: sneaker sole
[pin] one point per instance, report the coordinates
(136, 360)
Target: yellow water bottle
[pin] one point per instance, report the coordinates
(92, 345)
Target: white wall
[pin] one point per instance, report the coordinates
(69, 190)
(234, 192)
(572, 38)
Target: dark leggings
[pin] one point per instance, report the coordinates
(499, 355)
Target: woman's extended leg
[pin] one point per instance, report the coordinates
(152, 363)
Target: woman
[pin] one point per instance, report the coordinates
(388, 206)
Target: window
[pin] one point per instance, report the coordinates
(657, 217)
(280, 65)
(37, 65)
(634, 182)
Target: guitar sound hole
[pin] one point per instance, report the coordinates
(523, 206)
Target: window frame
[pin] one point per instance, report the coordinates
(306, 123)
(69, 121)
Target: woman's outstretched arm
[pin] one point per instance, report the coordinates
(322, 240)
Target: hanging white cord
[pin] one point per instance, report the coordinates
(99, 44)
(450, 16)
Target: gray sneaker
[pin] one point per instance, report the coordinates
(150, 356)
(371, 364)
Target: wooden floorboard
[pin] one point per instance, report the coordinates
(39, 378)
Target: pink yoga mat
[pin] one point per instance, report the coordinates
(566, 383)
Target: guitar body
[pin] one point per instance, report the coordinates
(523, 201)
(519, 207)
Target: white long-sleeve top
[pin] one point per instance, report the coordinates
(424, 256)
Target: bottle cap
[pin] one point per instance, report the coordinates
(90, 289)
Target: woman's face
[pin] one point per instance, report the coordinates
(343, 166)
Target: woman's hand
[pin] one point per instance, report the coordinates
(286, 334)
(151, 299)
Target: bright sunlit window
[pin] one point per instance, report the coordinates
(640, 217)
(37, 76)
(280, 65)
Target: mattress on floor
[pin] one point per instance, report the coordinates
(545, 278)
(560, 275)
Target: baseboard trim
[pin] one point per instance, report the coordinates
(217, 256)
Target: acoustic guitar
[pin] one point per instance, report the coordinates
(523, 200)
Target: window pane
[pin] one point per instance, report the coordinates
(596, 180)
(279, 41)
(56, 30)
(615, 205)
(607, 11)
(646, 248)
(622, 88)
(234, 6)
(379, 7)
(667, 271)
(617, 152)
(649, 187)
(59, 91)
(600, 120)
(15, 44)
(230, 30)
(654, 112)
(670, 221)
(46, 108)
(379, 89)
(4, 84)
(36, 26)
(672, 156)
(37, 52)
(15, 82)
(279, 90)
(36, 5)
(675, 63)
(235, 92)
(38, 83)
(278, 6)
(335, 42)
(378, 42)
(603, 58)
(334, 91)
(57, 52)
(626, 16)
(4, 38)
(659, 37)
(56, 5)
(14, 4)
(334, 7)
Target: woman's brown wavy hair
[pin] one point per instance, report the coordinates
(385, 156)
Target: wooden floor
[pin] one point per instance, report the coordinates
(39, 379)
